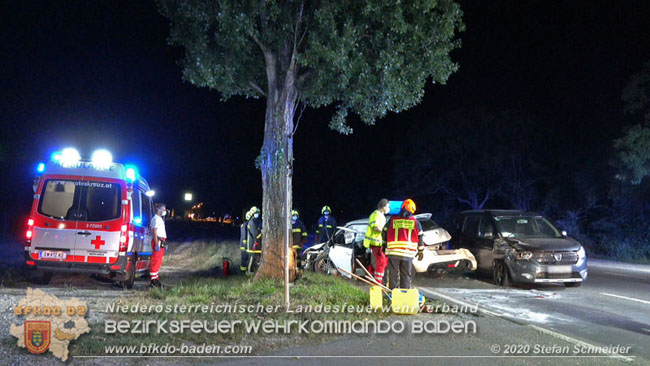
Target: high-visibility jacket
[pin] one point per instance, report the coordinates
(325, 228)
(377, 220)
(402, 237)
(243, 232)
(299, 234)
(254, 235)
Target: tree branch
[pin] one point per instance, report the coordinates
(487, 196)
(256, 87)
(464, 201)
(261, 45)
(302, 109)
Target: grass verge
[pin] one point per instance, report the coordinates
(311, 290)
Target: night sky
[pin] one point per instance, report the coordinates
(93, 74)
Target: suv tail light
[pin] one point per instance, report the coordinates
(30, 232)
(124, 237)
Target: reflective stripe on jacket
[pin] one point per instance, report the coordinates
(299, 234)
(243, 233)
(254, 231)
(325, 228)
(402, 237)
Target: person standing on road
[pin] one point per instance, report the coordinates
(325, 226)
(404, 242)
(158, 244)
(299, 234)
(254, 240)
(373, 239)
(243, 234)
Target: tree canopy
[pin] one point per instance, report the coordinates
(366, 57)
(633, 158)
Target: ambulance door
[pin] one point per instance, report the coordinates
(144, 253)
(55, 225)
(137, 221)
(100, 220)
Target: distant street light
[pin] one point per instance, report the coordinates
(188, 196)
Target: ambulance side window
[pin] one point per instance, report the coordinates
(146, 210)
(135, 204)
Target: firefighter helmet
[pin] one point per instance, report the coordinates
(294, 212)
(409, 205)
(326, 208)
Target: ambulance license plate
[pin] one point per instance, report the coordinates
(60, 256)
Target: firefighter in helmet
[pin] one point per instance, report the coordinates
(243, 234)
(404, 242)
(299, 234)
(325, 226)
(254, 239)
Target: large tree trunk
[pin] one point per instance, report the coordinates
(276, 159)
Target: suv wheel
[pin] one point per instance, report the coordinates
(500, 274)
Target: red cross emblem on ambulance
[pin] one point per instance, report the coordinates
(98, 242)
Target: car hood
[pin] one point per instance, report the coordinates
(314, 247)
(545, 244)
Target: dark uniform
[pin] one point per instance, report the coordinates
(298, 235)
(254, 242)
(243, 232)
(325, 226)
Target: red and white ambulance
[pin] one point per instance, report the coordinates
(89, 216)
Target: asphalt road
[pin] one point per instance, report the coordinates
(611, 308)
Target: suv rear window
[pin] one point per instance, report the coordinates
(80, 200)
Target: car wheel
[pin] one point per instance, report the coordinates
(500, 274)
(322, 264)
(130, 278)
(573, 284)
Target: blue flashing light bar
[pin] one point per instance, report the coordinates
(131, 173)
(137, 220)
(40, 167)
(395, 206)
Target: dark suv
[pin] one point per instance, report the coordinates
(519, 246)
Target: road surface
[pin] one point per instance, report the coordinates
(611, 307)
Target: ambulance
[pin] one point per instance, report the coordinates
(89, 216)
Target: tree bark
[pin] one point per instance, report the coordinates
(276, 161)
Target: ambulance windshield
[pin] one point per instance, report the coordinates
(74, 200)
